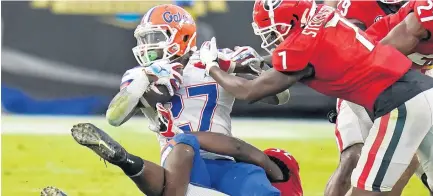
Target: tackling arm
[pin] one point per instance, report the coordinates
(269, 83)
(240, 150)
(278, 99)
(406, 35)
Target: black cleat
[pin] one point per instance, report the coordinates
(52, 191)
(100, 142)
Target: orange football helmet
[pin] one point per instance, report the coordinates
(165, 31)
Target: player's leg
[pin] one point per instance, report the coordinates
(390, 147)
(339, 183)
(183, 165)
(148, 176)
(425, 155)
(349, 130)
(397, 190)
(239, 179)
(181, 160)
(352, 127)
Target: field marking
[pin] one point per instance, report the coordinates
(242, 127)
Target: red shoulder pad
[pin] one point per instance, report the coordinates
(294, 53)
(379, 29)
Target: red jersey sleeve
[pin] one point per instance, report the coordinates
(424, 13)
(294, 53)
(379, 29)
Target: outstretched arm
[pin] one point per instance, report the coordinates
(270, 82)
(406, 35)
(240, 150)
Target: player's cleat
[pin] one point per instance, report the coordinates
(52, 191)
(100, 142)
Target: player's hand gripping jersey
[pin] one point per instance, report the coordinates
(365, 13)
(366, 68)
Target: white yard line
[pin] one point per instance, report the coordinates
(242, 127)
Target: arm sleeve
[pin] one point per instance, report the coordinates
(379, 29)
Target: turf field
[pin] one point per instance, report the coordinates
(38, 151)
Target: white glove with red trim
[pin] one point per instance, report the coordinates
(209, 54)
(165, 73)
(246, 55)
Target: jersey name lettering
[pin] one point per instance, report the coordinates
(317, 21)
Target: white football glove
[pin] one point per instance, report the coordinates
(209, 54)
(224, 60)
(246, 55)
(164, 73)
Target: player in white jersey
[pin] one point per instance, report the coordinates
(168, 33)
(181, 158)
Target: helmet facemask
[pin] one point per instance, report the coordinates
(272, 35)
(277, 31)
(154, 42)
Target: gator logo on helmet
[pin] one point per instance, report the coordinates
(169, 17)
(267, 4)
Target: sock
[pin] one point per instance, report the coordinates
(132, 165)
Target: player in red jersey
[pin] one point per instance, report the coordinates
(329, 54)
(414, 23)
(364, 13)
(353, 124)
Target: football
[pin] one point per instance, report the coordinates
(153, 97)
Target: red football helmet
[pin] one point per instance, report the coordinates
(291, 185)
(273, 19)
